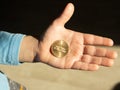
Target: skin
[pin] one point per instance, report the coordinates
(84, 53)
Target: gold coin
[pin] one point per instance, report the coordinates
(59, 48)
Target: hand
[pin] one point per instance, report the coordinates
(83, 54)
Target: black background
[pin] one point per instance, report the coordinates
(100, 17)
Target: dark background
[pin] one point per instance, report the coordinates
(100, 17)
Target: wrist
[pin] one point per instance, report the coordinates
(29, 49)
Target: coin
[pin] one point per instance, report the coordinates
(59, 48)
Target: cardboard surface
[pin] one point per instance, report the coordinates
(39, 76)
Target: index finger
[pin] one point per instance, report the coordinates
(97, 40)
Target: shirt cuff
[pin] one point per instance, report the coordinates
(10, 47)
(15, 49)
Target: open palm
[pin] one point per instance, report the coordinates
(83, 54)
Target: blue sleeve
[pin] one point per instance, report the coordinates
(9, 47)
(4, 85)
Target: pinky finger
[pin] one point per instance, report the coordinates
(85, 66)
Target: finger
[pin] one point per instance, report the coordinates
(97, 60)
(97, 40)
(66, 15)
(101, 52)
(85, 66)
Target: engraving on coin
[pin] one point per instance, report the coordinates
(59, 48)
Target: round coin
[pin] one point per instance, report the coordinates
(59, 48)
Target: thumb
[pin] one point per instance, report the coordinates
(66, 14)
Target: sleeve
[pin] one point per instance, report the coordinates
(10, 47)
(4, 85)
